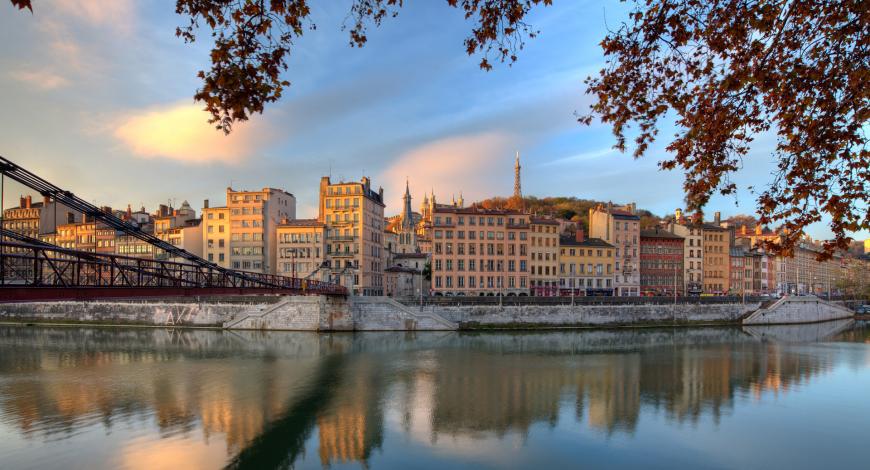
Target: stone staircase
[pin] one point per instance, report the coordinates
(430, 319)
(797, 309)
(254, 312)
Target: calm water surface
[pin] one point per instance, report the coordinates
(774, 397)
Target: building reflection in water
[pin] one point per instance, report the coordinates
(267, 395)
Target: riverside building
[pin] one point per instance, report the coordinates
(693, 252)
(717, 257)
(661, 263)
(620, 227)
(216, 234)
(254, 217)
(544, 250)
(478, 251)
(353, 214)
(301, 248)
(586, 266)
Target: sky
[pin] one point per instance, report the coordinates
(97, 98)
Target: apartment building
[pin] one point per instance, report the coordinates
(717, 257)
(354, 217)
(586, 266)
(180, 228)
(216, 234)
(802, 273)
(254, 217)
(33, 219)
(661, 263)
(301, 248)
(693, 252)
(544, 250)
(105, 239)
(478, 251)
(620, 227)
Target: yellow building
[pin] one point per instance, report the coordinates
(586, 266)
(717, 257)
(301, 248)
(216, 234)
(544, 250)
(354, 218)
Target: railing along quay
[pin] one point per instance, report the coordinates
(584, 300)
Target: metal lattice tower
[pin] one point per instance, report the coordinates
(518, 191)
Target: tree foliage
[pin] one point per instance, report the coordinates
(253, 40)
(732, 70)
(22, 4)
(726, 71)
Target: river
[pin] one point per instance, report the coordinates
(149, 398)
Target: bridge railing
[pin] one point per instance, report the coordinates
(28, 265)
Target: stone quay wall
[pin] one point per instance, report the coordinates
(323, 313)
(494, 316)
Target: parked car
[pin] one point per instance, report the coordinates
(863, 309)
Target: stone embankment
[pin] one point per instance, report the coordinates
(798, 309)
(320, 313)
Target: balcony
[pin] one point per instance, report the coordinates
(341, 238)
(343, 254)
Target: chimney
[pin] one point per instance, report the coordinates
(678, 215)
(758, 229)
(46, 200)
(29, 201)
(633, 207)
(581, 236)
(717, 216)
(743, 230)
(205, 204)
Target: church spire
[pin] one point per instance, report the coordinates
(407, 215)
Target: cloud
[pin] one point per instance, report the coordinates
(117, 15)
(475, 165)
(580, 157)
(44, 80)
(181, 132)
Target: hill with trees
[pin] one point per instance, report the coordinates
(568, 208)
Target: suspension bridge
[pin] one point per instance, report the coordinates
(34, 270)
